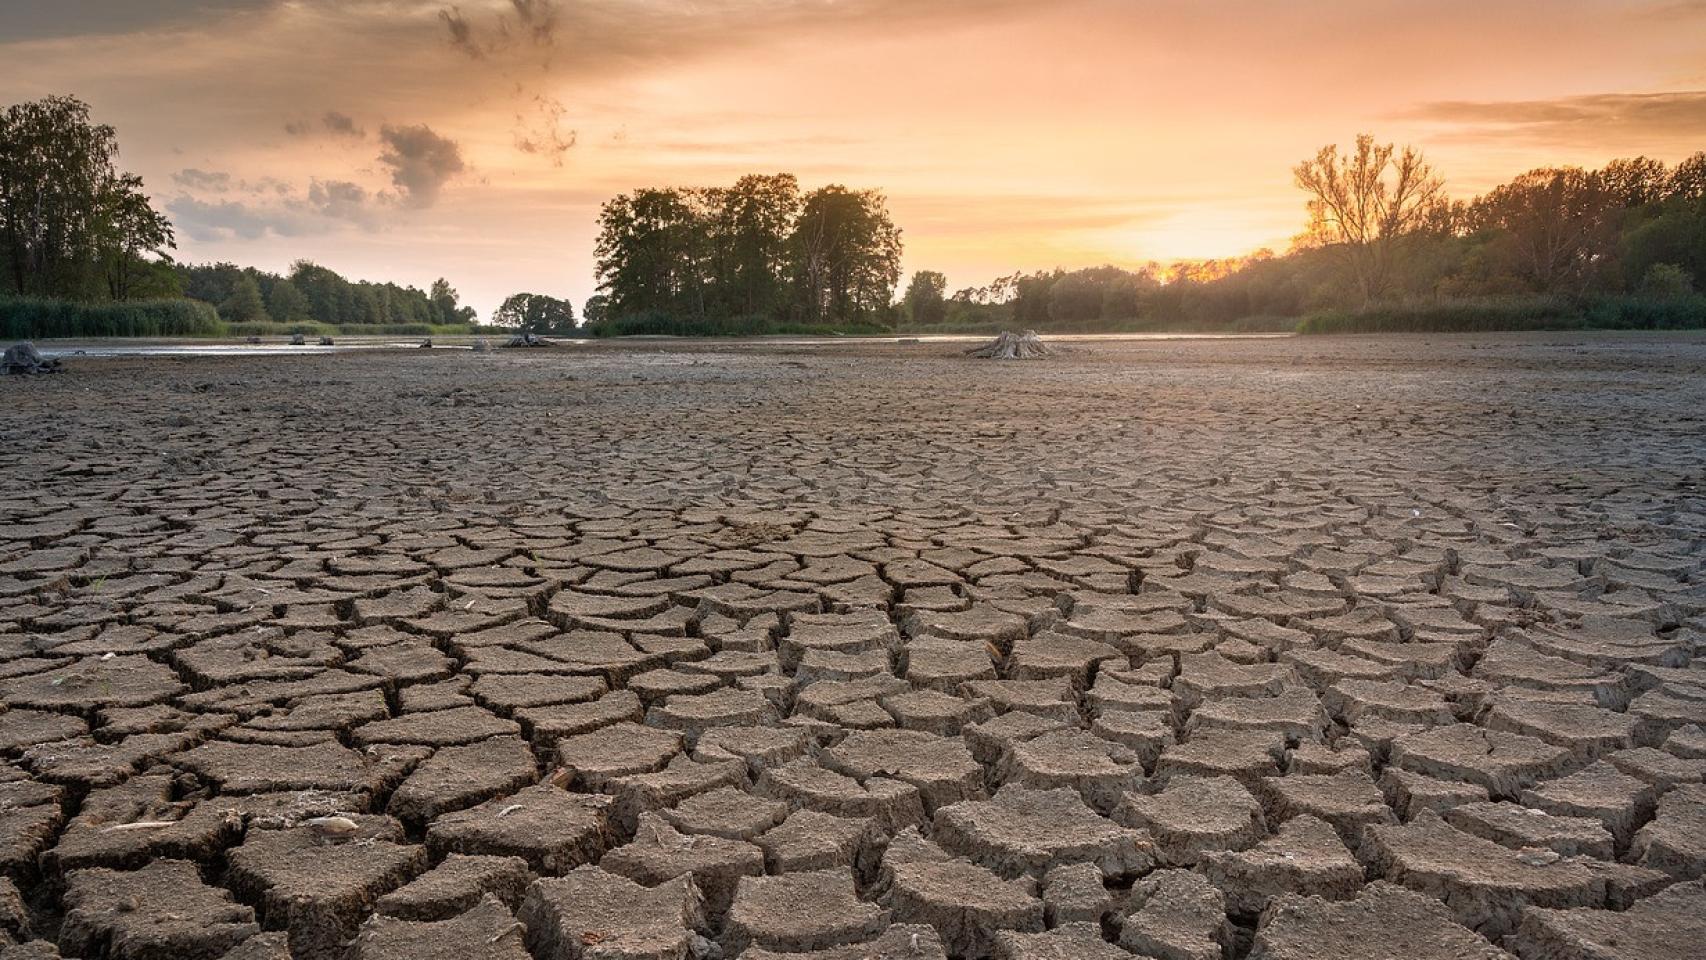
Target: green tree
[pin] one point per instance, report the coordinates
(596, 310)
(286, 302)
(71, 225)
(244, 305)
(536, 313)
(1555, 227)
(652, 252)
(444, 300)
(926, 302)
(749, 241)
(845, 255)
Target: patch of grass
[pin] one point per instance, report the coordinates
(657, 324)
(1515, 314)
(308, 328)
(26, 318)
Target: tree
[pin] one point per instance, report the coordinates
(749, 241)
(286, 302)
(925, 303)
(1555, 226)
(71, 225)
(596, 310)
(244, 305)
(1635, 182)
(846, 256)
(652, 252)
(1364, 203)
(444, 297)
(536, 313)
(126, 227)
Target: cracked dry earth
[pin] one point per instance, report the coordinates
(1281, 650)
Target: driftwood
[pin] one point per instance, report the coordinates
(1013, 346)
(527, 340)
(25, 358)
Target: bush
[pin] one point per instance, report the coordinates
(1515, 314)
(1666, 281)
(30, 318)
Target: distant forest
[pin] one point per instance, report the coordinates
(83, 252)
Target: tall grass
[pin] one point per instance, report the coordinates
(1516, 314)
(25, 318)
(309, 328)
(659, 324)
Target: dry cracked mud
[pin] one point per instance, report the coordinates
(1359, 649)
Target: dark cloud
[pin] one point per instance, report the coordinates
(332, 123)
(420, 162)
(41, 20)
(211, 181)
(461, 32)
(341, 125)
(537, 19)
(1586, 120)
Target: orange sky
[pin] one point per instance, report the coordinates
(1008, 135)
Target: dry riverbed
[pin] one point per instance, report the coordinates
(1282, 649)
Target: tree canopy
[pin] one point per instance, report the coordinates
(758, 249)
(318, 294)
(536, 313)
(73, 226)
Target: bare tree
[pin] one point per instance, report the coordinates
(1363, 203)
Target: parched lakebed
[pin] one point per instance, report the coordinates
(1283, 649)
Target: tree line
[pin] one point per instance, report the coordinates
(1624, 244)
(750, 257)
(311, 293)
(1612, 245)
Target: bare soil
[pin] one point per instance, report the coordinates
(1284, 648)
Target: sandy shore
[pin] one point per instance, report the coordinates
(657, 649)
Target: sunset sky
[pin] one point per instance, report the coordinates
(404, 140)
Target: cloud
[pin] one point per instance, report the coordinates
(541, 133)
(340, 125)
(538, 20)
(421, 162)
(343, 200)
(1592, 120)
(221, 220)
(461, 32)
(24, 20)
(211, 181)
(331, 123)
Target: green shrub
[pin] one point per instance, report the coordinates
(27, 318)
(1666, 281)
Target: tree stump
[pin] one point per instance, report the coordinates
(1013, 346)
(25, 358)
